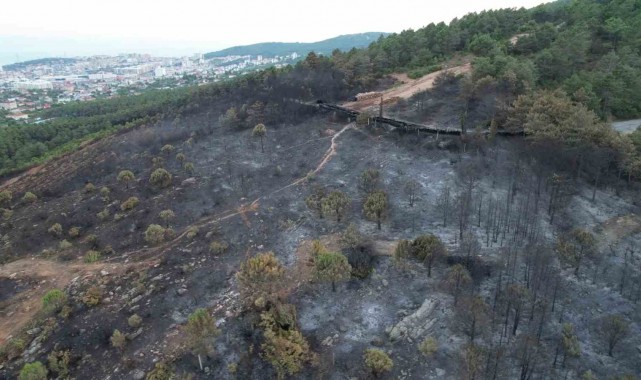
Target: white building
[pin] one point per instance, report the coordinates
(9, 105)
(33, 85)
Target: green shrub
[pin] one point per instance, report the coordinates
(55, 230)
(129, 204)
(33, 371)
(103, 215)
(90, 188)
(428, 346)
(118, 339)
(29, 197)
(92, 257)
(92, 240)
(286, 350)
(160, 177)
(422, 71)
(59, 362)
(6, 213)
(167, 149)
(155, 234)
(92, 296)
(218, 247)
(377, 361)
(15, 347)
(53, 300)
(351, 237)
(192, 232)
(166, 216)
(64, 245)
(188, 167)
(134, 321)
(104, 193)
(126, 176)
(162, 371)
(331, 267)
(180, 157)
(74, 232)
(5, 197)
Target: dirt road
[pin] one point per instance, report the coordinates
(407, 88)
(32, 278)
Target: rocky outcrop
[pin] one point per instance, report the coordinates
(416, 324)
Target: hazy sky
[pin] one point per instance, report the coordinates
(32, 28)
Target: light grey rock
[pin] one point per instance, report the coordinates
(416, 324)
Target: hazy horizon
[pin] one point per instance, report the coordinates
(71, 28)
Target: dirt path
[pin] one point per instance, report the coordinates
(152, 252)
(35, 277)
(407, 88)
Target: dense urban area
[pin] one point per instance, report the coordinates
(41, 84)
(450, 202)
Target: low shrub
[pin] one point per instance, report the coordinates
(129, 204)
(218, 247)
(33, 371)
(92, 257)
(422, 71)
(53, 300)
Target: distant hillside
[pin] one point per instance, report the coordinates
(270, 49)
(52, 60)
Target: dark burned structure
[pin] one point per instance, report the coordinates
(405, 125)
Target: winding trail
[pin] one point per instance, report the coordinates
(238, 211)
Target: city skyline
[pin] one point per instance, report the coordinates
(162, 29)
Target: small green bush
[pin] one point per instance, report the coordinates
(422, 71)
(218, 247)
(90, 188)
(167, 149)
(118, 339)
(192, 232)
(29, 197)
(104, 192)
(92, 240)
(5, 197)
(134, 321)
(74, 232)
(103, 215)
(92, 257)
(15, 347)
(64, 245)
(53, 300)
(125, 177)
(129, 204)
(377, 361)
(428, 346)
(33, 371)
(160, 177)
(162, 371)
(6, 213)
(189, 168)
(92, 296)
(59, 362)
(55, 230)
(155, 234)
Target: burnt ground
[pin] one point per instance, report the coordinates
(255, 202)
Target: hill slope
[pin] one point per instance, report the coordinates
(41, 61)
(344, 42)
